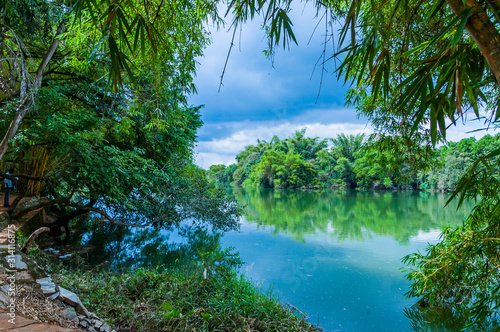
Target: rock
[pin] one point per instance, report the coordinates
(23, 276)
(68, 297)
(84, 323)
(97, 323)
(91, 329)
(4, 300)
(73, 300)
(54, 296)
(82, 310)
(48, 287)
(17, 264)
(5, 289)
(69, 314)
(60, 304)
(105, 328)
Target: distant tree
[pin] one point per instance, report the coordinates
(416, 66)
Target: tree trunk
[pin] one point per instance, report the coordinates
(483, 31)
(25, 103)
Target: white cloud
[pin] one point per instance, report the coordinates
(223, 150)
(473, 128)
(258, 101)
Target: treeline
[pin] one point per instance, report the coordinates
(352, 161)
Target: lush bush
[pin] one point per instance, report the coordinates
(204, 296)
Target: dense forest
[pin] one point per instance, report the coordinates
(352, 161)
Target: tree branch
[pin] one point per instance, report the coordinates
(25, 103)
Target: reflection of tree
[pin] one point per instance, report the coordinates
(443, 319)
(148, 247)
(347, 214)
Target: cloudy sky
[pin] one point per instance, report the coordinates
(261, 98)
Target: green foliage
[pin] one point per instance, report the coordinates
(180, 300)
(456, 159)
(222, 174)
(393, 160)
(126, 157)
(278, 169)
(381, 162)
(462, 270)
(348, 214)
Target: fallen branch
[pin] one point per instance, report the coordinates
(32, 238)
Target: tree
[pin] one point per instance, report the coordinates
(120, 35)
(422, 64)
(344, 149)
(124, 156)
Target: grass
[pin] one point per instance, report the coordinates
(208, 296)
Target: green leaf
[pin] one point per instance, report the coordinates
(460, 29)
(166, 306)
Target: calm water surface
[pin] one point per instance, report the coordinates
(336, 256)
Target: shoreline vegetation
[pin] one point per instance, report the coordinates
(200, 296)
(352, 161)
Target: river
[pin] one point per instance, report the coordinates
(333, 255)
(336, 256)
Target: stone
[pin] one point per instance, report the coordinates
(69, 314)
(97, 323)
(68, 297)
(84, 323)
(18, 263)
(23, 276)
(54, 296)
(60, 303)
(5, 289)
(47, 286)
(105, 328)
(82, 310)
(4, 300)
(73, 300)
(91, 329)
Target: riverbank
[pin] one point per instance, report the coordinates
(202, 297)
(207, 298)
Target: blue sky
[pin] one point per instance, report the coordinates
(261, 98)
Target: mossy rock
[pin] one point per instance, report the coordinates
(31, 266)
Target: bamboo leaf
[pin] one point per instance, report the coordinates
(464, 15)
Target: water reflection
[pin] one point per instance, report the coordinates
(334, 255)
(347, 214)
(126, 248)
